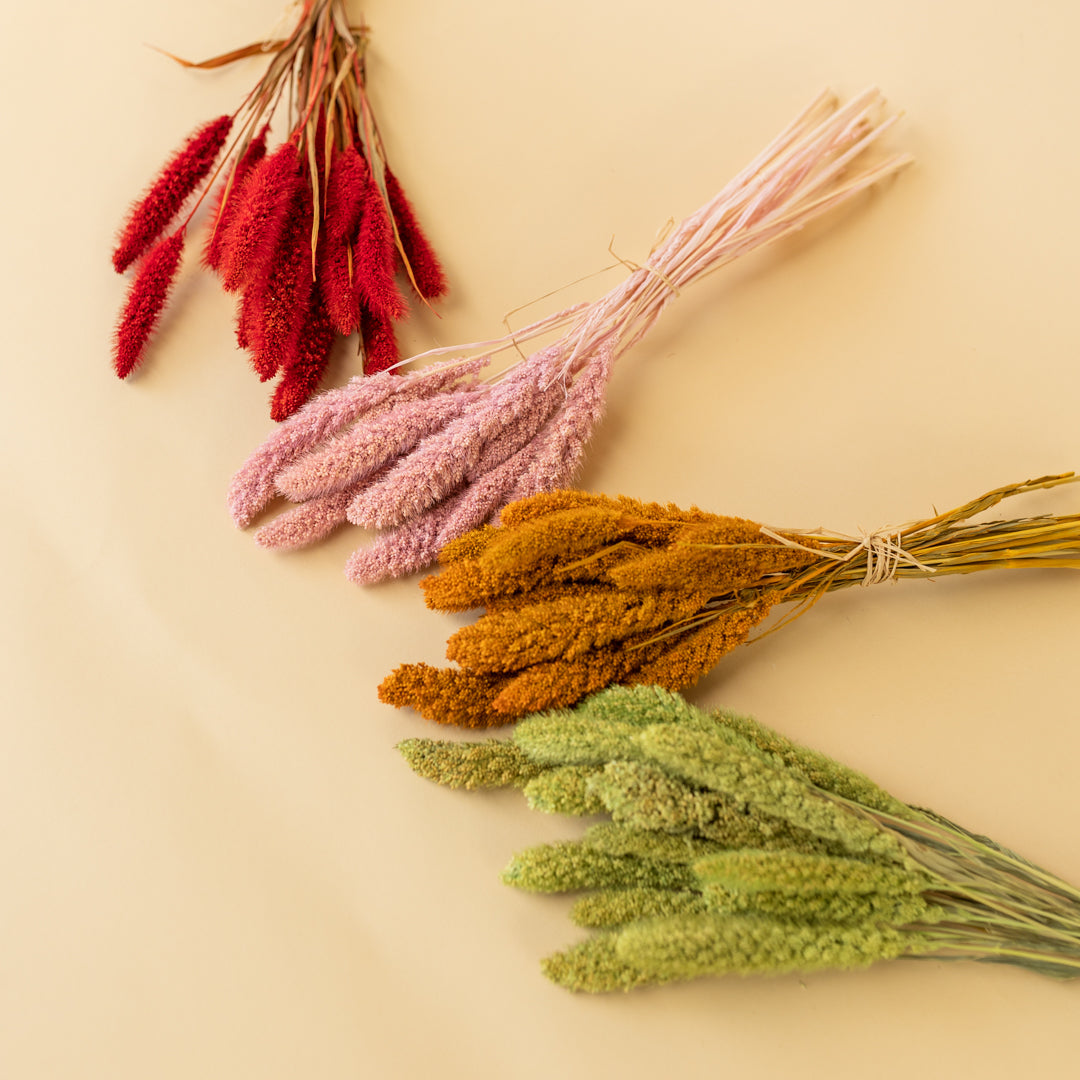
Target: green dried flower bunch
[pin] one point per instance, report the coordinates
(731, 849)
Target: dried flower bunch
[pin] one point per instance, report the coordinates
(311, 233)
(428, 465)
(732, 849)
(581, 591)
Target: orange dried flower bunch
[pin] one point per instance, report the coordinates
(311, 233)
(582, 591)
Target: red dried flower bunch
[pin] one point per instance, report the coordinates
(311, 233)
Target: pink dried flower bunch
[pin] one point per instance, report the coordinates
(428, 457)
(311, 233)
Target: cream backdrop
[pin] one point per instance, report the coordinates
(215, 864)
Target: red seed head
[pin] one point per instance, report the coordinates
(302, 376)
(380, 344)
(248, 315)
(376, 258)
(346, 190)
(288, 287)
(429, 276)
(228, 197)
(264, 204)
(146, 299)
(184, 171)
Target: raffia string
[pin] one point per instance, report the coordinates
(883, 547)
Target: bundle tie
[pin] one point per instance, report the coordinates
(634, 267)
(884, 552)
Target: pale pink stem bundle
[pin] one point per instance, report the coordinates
(525, 431)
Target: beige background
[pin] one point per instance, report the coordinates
(215, 864)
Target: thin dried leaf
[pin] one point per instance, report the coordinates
(259, 48)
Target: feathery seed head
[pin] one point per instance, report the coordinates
(165, 197)
(345, 192)
(567, 866)
(426, 271)
(819, 769)
(607, 908)
(444, 695)
(721, 555)
(381, 351)
(376, 258)
(563, 789)
(306, 355)
(146, 299)
(640, 795)
(493, 763)
(709, 944)
(564, 533)
(647, 843)
(359, 452)
(823, 908)
(399, 551)
(465, 547)
(305, 524)
(594, 967)
(286, 303)
(690, 654)
(726, 762)
(227, 198)
(564, 738)
(555, 684)
(264, 207)
(797, 874)
(642, 706)
(329, 413)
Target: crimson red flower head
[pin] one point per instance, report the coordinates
(312, 234)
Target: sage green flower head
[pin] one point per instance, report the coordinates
(798, 874)
(688, 946)
(489, 764)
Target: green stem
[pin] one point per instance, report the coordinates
(954, 840)
(1033, 957)
(1003, 921)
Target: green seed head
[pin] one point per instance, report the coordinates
(642, 706)
(594, 967)
(567, 738)
(819, 769)
(617, 907)
(646, 798)
(567, 866)
(839, 908)
(489, 764)
(797, 874)
(726, 762)
(564, 789)
(686, 947)
(646, 844)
